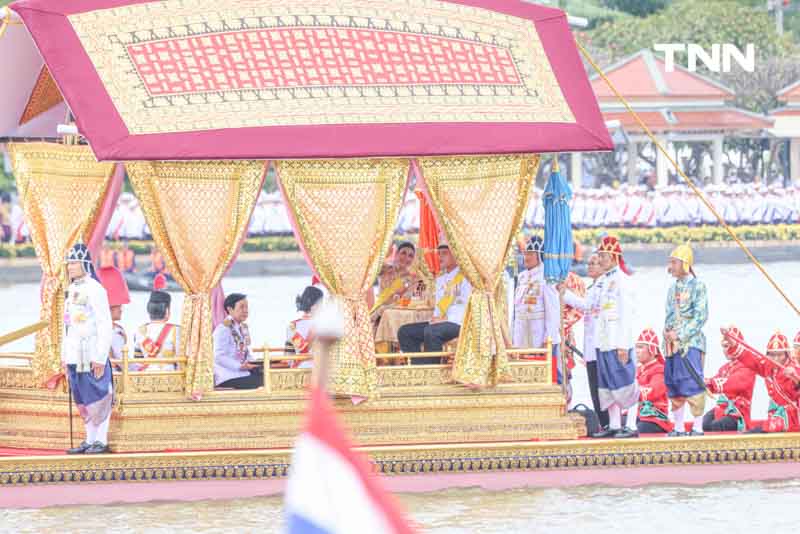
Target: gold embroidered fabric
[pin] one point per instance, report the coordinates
(45, 95)
(198, 212)
(480, 201)
(314, 62)
(61, 188)
(345, 212)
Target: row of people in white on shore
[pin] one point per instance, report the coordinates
(626, 207)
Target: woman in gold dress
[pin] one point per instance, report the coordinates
(396, 281)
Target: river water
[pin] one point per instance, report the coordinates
(732, 508)
(738, 294)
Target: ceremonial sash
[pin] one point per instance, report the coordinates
(447, 300)
(638, 212)
(651, 217)
(386, 294)
(151, 348)
(298, 341)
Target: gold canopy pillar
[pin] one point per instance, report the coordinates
(344, 213)
(198, 212)
(62, 188)
(480, 202)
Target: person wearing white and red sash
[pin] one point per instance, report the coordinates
(653, 402)
(158, 338)
(780, 376)
(733, 385)
(299, 334)
(117, 289)
(796, 348)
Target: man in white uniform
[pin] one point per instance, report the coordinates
(536, 303)
(85, 349)
(590, 306)
(452, 293)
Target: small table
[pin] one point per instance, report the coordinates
(394, 317)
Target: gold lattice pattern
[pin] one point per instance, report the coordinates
(262, 69)
(481, 202)
(345, 212)
(198, 212)
(62, 188)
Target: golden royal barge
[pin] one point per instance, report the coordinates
(463, 100)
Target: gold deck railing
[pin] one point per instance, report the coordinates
(272, 355)
(22, 332)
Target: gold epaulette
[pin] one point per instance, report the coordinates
(227, 322)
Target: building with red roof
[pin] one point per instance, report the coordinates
(787, 125)
(675, 105)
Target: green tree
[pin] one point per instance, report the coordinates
(688, 21)
(637, 8)
(706, 23)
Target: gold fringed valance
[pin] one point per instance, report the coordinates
(480, 202)
(61, 188)
(198, 212)
(344, 212)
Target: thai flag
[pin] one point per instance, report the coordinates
(331, 489)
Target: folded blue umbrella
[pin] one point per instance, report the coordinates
(559, 249)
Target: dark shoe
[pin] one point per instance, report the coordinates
(695, 433)
(626, 433)
(606, 433)
(675, 434)
(98, 448)
(80, 449)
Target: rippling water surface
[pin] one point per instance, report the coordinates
(746, 507)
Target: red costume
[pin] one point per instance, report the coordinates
(734, 384)
(653, 401)
(782, 415)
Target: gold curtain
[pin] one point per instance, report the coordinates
(480, 202)
(344, 212)
(198, 212)
(61, 188)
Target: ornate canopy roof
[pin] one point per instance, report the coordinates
(317, 78)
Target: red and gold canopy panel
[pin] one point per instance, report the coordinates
(198, 79)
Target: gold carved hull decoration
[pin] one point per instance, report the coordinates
(510, 428)
(410, 460)
(154, 415)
